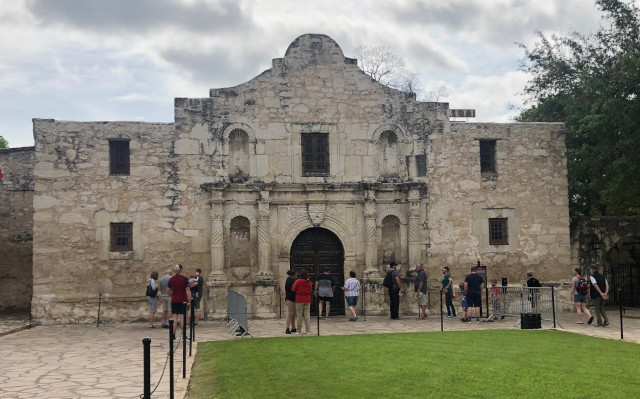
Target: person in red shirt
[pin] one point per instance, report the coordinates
(180, 296)
(302, 287)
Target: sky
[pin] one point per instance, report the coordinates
(106, 60)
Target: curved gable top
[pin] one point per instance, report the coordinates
(314, 49)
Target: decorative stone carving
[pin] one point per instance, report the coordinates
(316, 213)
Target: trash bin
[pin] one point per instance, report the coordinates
(530, 321)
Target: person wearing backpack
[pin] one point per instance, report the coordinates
(152, 297)
(579, 296)
(395, 290)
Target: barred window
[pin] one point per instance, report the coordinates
(315, 154)
(498, 232)
(488, 156)
(121, 237)
(119, 157)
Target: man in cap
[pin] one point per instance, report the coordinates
(599, 292)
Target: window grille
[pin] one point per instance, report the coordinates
(121, 237)
(315, 154)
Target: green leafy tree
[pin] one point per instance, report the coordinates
(591, 83)
(3, 143)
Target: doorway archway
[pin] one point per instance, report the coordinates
(313, 250)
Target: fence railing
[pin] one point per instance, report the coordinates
(237, 314)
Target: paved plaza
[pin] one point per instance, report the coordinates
(82, 361)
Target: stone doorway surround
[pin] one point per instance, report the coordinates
(313, 250)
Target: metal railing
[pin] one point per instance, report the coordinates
(237, 314)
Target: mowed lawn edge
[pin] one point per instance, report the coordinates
(458, 364)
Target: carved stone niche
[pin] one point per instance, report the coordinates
(316, 213)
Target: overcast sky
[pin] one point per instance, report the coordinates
(104, 60)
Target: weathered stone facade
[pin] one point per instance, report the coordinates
(16, 229)
(312, 147)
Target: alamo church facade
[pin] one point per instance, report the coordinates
(311, 164)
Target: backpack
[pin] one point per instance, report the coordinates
(582, 286)
(151, 292)
(388, 280)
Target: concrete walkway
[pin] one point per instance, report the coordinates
(82, 361)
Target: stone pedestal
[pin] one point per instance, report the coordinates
(265, 300)
(216, 301)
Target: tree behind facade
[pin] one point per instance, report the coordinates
(3, 143)
(591, 83)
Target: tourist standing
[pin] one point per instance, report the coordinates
(351, 292)
(197, 288)
(599, 293)
(395, 291)
(534, 294)
(474, 285)
(180, 297)
(447, 288)
(152, 297)
(420, 288)
(464, 305)
(302, 287)
(165, 297)
(324, 289)
(579, 295)
(290, 302)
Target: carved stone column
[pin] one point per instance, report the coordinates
(217, 239)
(415, 228)
(371, 249)
(264, 242)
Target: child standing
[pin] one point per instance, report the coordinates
(463, 302)
(495, 296)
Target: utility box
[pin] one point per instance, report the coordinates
(530, 321)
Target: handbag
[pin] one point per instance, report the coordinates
(151, 292)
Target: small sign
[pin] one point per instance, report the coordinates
(462, 113)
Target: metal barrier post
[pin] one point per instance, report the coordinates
(99, 303)
(184, 342)
(192, 332)
(620, 302)
(441, 315)
(553, 306)
(171, 358)
(146, 344)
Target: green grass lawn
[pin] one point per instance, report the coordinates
(462, 364)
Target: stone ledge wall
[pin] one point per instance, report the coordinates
(530, 188)
(16, 229)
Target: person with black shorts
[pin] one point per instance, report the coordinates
(324, 289)
(180, 296)
(474, 285)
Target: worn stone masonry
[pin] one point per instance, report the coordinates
(16, 229)
(311, 164)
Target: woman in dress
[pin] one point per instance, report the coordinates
(302, 287)
(579, 299)
(153, 300)
(351, 292)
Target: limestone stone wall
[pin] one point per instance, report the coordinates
(16, 229)
(530, 189)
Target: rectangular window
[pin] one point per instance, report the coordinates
(119, 158)
(121, 237)
(488, 156)
(498, 232)
(315, 154)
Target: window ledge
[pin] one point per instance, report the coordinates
(122, 255)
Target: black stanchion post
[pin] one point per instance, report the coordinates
(553, 306)
(184, 342)
(171, 321)
(441, 315)
(99, 303)
(486, 301)
(620, 302)
(146, 344)
(191, 325)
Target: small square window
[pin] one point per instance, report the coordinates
(119, 158)
(498, 231)
(315, 154)
(121, 237)
(488, 156)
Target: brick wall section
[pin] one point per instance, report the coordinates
(16, 229)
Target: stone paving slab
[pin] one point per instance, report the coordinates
(82, 361)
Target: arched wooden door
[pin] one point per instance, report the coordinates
(313, 250)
